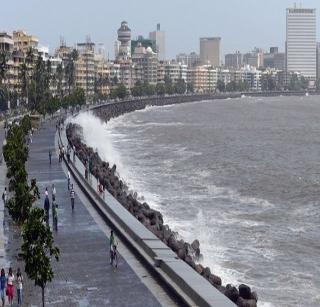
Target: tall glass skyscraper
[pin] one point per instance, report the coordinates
(301, 43)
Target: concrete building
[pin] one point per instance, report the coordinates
(43, 51)
(6, 42)
(159, 37)
(301, 42)
(318, 61)
(233, 60)
(23, 41)
(204, 78)
(192, 59)
(145, 65)
(274, 59)
(210, 51)
(255, 58)
(144, 42)
(175, 71)
(85, 68)
(252, 76)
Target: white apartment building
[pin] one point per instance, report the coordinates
(301, 42)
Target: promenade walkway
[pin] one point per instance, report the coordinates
(83, 276)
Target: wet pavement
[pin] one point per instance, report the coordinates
(83, 276)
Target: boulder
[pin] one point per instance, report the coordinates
(206, 272)
(245, 292)
(254, 296)
(181, 253)
(232, 293)
(195, 245)
(199, 268)
(215, 280)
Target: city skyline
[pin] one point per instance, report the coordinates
(101, 21)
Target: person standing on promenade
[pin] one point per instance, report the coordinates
(74, 154)
(55, 216)
(54, 192)
(72, 197)
(19, 286)
(5, 196)
(69, 179)
(3, 281)
(10, 280)
(113, 249)
(47, 208)
(50, 155)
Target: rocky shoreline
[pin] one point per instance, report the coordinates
(150, 218)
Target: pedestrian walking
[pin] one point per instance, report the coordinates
(72, 197)
(54, 192)
(113, 249)
(55, 216)
(69, 179)
(74, 154)
(46, 193)
(19, 286)
(50, 155)
(46, 209)
(5, 196)
(3, 281)
(10, 288)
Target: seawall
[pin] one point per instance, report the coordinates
(152, 219)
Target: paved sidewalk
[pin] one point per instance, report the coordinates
(83, 276)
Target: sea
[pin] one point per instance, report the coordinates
(240, 175)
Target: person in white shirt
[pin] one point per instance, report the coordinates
(19, 286)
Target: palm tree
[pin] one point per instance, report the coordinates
(23, 80)
(70, 69)
(59, 78)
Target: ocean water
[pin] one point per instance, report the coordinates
(240, 175)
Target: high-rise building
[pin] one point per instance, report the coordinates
(274, 59)
(301, 42)
(318, 61)
(124, 37)
(159, 37)
(210, 51)
(233, 60)
(191, 60)
(255, 58)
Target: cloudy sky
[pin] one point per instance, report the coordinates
(242, 24)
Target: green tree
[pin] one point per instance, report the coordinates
(148, 89)
(180, 86)
(168, 85)
(137, 90)
(221, 86)
(190, 87)
(160, 89)
(59, 78)
(23, 80)
(121, 91)
(38, 249)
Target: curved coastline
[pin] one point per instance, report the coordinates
(152, 219)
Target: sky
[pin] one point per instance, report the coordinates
(242, 24)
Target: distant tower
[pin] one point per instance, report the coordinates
(159, 37)
(124, 37)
